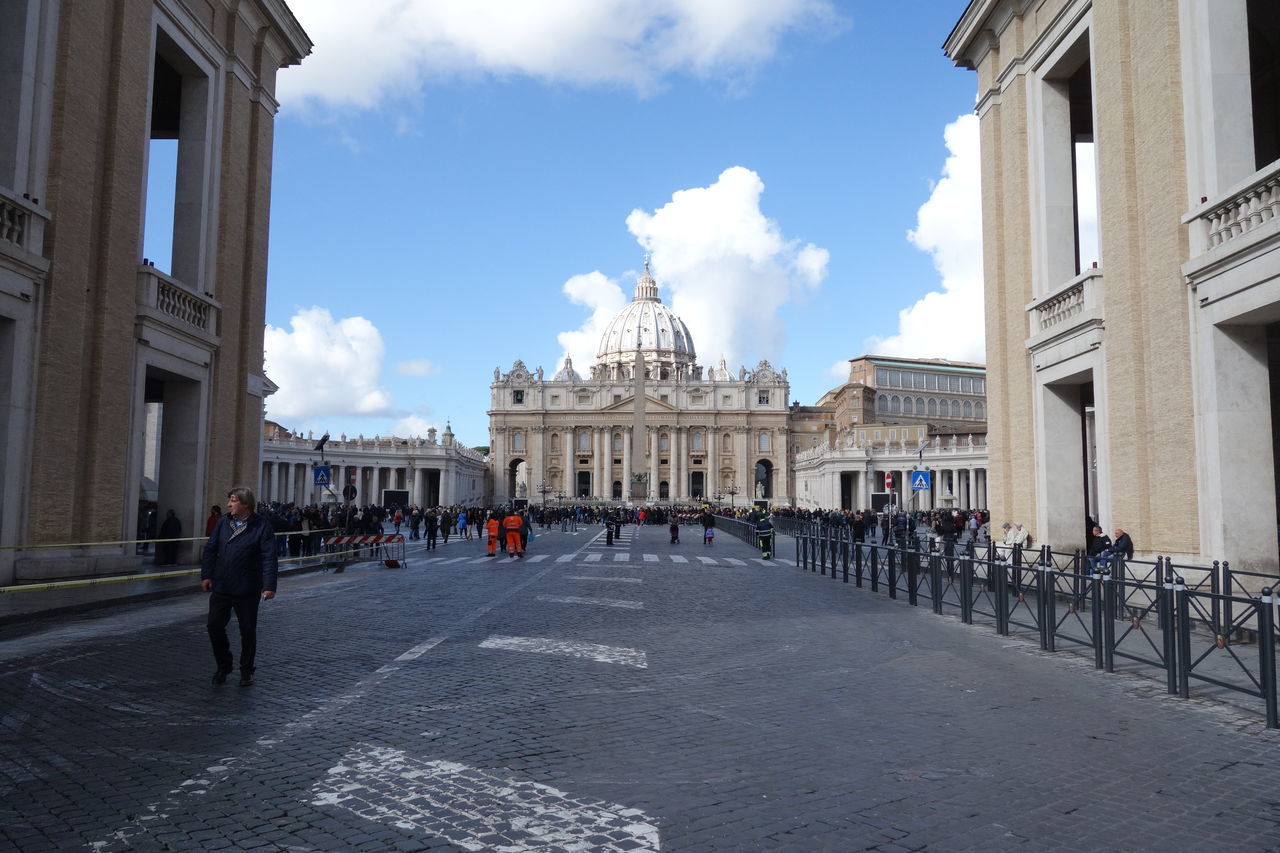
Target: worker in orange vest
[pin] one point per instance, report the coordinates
(491, 529)
(513, 524)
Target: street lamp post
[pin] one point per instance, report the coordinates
(731, 491)
(543, 488)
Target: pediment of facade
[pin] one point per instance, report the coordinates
(627, 404)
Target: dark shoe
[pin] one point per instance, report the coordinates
(220, 676)
(246, 678)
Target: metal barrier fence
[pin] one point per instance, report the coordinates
(387, 547)
(317, 557)
(1217, 631)
(740, 529)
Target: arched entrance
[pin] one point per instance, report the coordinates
(517, 479)
(764, 479)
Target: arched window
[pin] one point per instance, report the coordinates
(908, 407)
(979, 411)
(882, 403)
(764, 442)
(617, 441)
(517, 441)
(664, 442)
(584, 441)
(895, 404)
(919, 405)
(697, 441)
(968, 410)
(955, 408)
(933, 406)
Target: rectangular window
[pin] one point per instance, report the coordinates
(663, 398)
(931, 381)
(895, 379)
(555, 399)
(876, 436)
(584, 461)
(955, 383)
(584, 399)
(893, 435)
(917, 379)
(882, 377)
(980, 386)
(966, 384)
(617, 398)
(517, 397)
(763, 398)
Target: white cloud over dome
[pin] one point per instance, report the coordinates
(325, 367)
(605, 298)
(366, 52)
(948, 323)
(726, 267)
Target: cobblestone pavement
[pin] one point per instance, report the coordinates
(641, 697)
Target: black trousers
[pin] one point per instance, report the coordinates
(245, 607)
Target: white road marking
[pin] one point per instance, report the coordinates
(676, 558)
(538, 558)
(734, 561)
(651, 558)
(468, 806)
(710, 561)
(432, 560)
(612, 580)
(421, 649)
(456, 560)
(621, 558)
(593, 557)
(568, 649)
(564, 558)
(603, 602)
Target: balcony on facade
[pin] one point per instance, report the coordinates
(169, 306)
(1067, 322)
(22, 224)
(1235, 236)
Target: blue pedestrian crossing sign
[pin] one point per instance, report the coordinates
(921, 481)
(323, 475)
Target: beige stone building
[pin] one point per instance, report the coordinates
(1130, 360)
(140, 381)
(894, 416)
(719, 434)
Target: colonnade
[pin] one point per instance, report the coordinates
(292, 482)
(953, 488)
(609, 449)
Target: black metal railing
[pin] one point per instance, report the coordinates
(1211, 627)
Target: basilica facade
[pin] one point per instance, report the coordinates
(645, 423)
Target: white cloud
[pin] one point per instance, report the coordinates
(367, 52)
(727, 267)
(948, 323)
(325, 367)
(412, 426)
(605, 298)
(839, 370)
(418, 367)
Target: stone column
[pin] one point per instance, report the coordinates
(680, 464)
(652, 443)
(782, 472)
(969, 489)
(538, 471)
(626, 465)
(743, 478)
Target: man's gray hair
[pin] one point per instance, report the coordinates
(244, 494)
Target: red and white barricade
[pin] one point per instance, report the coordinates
(388, 547)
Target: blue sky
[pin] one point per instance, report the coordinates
(461, 184)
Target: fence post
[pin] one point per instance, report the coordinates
(797, 538)
(857, 562)
(1228, 614)
(935, 578)
(1267, 656)
(966, 590)
(1215, 586)
(1110, 590)
(1183, 600)
(912, 559)
(892, 569)
(1050, 616)
(874, 568)
(1168, 627)
(1001, 590)
(844, 551)
(1095, 598)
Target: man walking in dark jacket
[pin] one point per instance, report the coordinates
(238, 570)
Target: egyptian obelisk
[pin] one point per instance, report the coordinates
(639, 438)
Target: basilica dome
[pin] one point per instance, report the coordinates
(655, 329)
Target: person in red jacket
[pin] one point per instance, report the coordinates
(512, 525)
